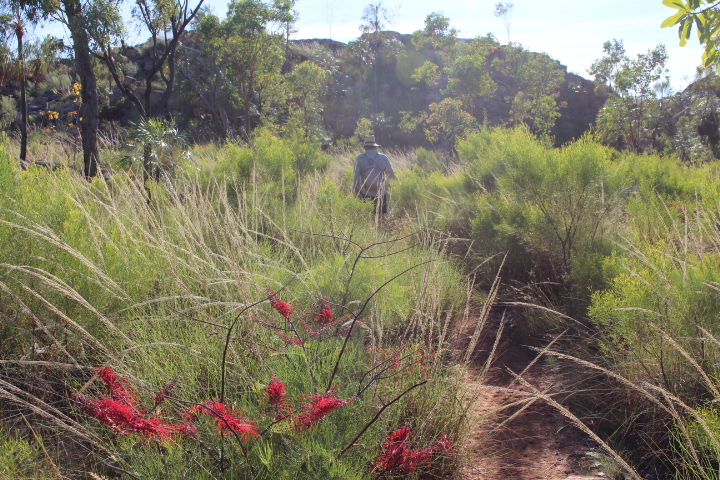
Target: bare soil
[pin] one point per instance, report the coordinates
(514, 435)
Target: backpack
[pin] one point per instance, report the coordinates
(372, 175)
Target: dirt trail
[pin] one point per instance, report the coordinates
(511, 438)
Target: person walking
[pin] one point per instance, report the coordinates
(372, 172)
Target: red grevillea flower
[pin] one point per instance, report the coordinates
(275, 392)
(397, 457)
(124, 418)
(118, 387)
(164, 392)
(283, 308)
(191, 414)
(326, 314)
(442, 444)
(394, 451)
(230, 421)
(187, 430)
(289, 339)
(319, 406)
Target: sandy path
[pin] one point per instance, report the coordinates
(511, 438)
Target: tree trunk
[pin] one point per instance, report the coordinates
(89, 96)
(23, 95)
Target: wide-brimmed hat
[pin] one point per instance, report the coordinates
(370, 141)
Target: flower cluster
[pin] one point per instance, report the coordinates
(317, 408)
(398, 458)
(326, 314)
(275, 392)
(228, 421)
(51, 114)
(124, 419)
(283, 308)
(121, 410)
(323, 317)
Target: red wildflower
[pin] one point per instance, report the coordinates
(397, 457)
(283, 308)
(315, 410)
(231, 421)
(442, 444)
(326, 314)
(187, 430)
(394, 451)
(118, 387)
(275, 392)
(191, 415)
(164, 392)
(123, 418)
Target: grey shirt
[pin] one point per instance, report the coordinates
(370, 163)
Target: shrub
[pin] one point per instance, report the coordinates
(548, 208)
(55, 80)
(8, 112)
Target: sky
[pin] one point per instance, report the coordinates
(570, 31)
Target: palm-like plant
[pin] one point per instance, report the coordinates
(15, 24)
(157, 140)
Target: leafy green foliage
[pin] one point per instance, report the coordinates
(550, 209)
(631, 116)
(535, 80)
(22, 460)
(437, 35)
(448, 122)
(240, 57)
(704, 15)
(306, 86)
(469, 75)
(8, 111)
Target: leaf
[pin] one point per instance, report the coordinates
(673, 20)
(703, 34)
(675, 4)
(685, 33)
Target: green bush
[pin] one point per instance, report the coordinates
(661, 293)
(8, 112)
(552, 210)
(55, 80)
(23, 460)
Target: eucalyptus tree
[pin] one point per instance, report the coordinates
(468, 75)
(86, 21)
(439, 40)
(503, 11)
(627, 119)
(535, 81)
(167, 21)
(307, 84)
(438, 36)
(376, 17)
(235, 59)
(90, 24)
